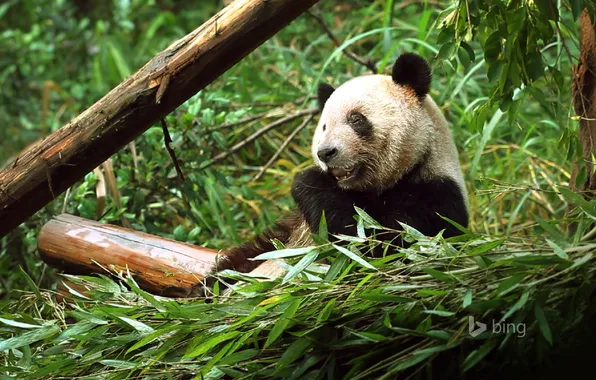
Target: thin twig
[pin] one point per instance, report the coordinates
(65, 200)
(368, 63)
(283, 146)
(260, 132)
(168, 141)
(49, 178)
(264, 104)
(245, 120)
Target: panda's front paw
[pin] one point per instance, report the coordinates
(312, 180)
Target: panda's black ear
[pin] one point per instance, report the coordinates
(413, 71)
(323, 93)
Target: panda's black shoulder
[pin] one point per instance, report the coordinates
(423, 202)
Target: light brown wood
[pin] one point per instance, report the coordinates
(188, 65)
(584, 96)
(160, 266)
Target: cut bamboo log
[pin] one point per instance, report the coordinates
(188, 65)
(160, 266)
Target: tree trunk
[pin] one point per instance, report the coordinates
(160, 266)
(188, 65)
(584, 100)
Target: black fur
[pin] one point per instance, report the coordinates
(236, 258)
(415, 203)
(413, 71)
(323, 93)
(361, 125)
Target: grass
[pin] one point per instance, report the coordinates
(519, 263)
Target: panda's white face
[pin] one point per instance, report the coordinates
(370, 132)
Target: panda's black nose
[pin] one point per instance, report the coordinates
(326, 154)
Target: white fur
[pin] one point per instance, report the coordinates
(403, 130)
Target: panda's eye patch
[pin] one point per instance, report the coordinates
(360, 124)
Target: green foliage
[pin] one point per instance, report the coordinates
(373, 321)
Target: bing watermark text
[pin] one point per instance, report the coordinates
(476, 328)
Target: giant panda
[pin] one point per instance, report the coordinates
(381, 144)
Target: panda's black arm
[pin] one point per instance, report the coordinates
(419, 204)
(415, 203)
(237, 257)
(314, 192)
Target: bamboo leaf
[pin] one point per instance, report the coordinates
(288, 252)
(308, 259)
(139, 326)
(210, 343)
(543, 323)
(477, 355)
(558, 250)
(294, 351)
(353, 256)
(28, 338)
(283, 322)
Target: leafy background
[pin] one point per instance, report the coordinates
(502, 76)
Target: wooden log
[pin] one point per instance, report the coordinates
(160, 266)
(584, 98)
(188, 65)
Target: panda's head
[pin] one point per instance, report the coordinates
(374, 128)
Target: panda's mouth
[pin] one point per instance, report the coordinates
(342, 174)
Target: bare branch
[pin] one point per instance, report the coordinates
(368, 63)
(260, 132)
(283, 146)
(168, 141)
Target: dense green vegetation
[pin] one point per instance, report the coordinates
(506, 92)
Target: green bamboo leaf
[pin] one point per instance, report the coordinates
(294, 351)
(558, 250)
(576, 8)
(380, 297)
(207, 345)
(419, 356)
(439, 275)
(467, 298)
(543, 323)
(353, 256)
(327, 310)
(510, 284)
(120, 364)
(153, 336)
(441, 313)
(288, 252)
(518, 305)
(477, 355)
(308, 259)
(351, 239)
(368, 220)
(20, 324)
(485, 247)
(370, 336)
(29, 337)
(581, 261)
(538, 260)
(139, 326)
(240, 356)
(30, 282)
(283, 322)
(323, 227)
(119, 61)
